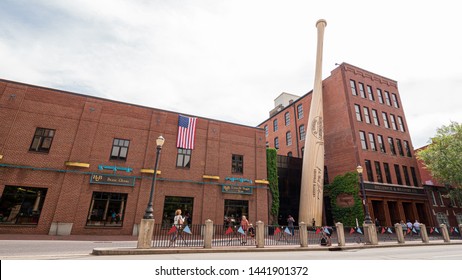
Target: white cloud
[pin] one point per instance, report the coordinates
(228, 60)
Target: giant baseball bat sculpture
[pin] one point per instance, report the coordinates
(311, 189)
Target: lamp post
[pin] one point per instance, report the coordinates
(148, 214)
(367, 218)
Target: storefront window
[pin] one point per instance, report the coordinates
(21, 205)
(171, 204)
(442, 218)
(234, 209)
(107, 209)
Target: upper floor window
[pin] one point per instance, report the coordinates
(361, 90)
(385, 120)
(375, 117)
(370, 177)
(400, 147)
(362, 137)
(353, 87)
(119, 149)
(393, 122)
(370, 93)
(183, 158)
(237, 164)
(381, 143)
(386, 168)
(414, 177)
(378, 172)
(359, 117)
(392, 146)
(387, 98)
(433, 198)
(276, 143)
(395, 100)
(266, 130)
(398, 175)
(401, 124)
(367, 117)
(441, 198)
(372, 142)
(301, 131)
(379, 95)
(42, 140)
(287, 118)
(406, 176)
(275, 125)
(407, 148)
(300, 111)
(288, 138)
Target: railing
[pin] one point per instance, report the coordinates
(225, 235)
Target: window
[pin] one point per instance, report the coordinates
(359, 117)
(406, 176)
(367, 117)
(234, 210)
(379, 95)
(171, 204)
(237, 165)
(400, 147)
(381, 144)
(370, 177)
(276, 143)
(401, 124)
(378, 172)
(387, 98)
(301, 131)
(414, 177)
(375, 117)
(21, 205)
(407, 148)
(288, 138)
(275, 125)
(442, 218)
(183, 158)
(370, 93)
(287, 118)
(266, 131)
(393, 122)
(107, 209)
(42, 140)
(361, 90)
(386, 168)
(362, 137)
(398, 175)
(300, 111)
(385, 120)
(289, 154)
(119, 149)
(372, 142)
(433, 198)
(392, 146)
(353, 87)
(395, 100)
(440, 198)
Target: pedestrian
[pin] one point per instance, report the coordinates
(403, 227)
(409, 226)
(416, 226)
(178, 220)
(245, 226)
(377, 224)
(290, 224)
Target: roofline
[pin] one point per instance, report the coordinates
(119, 102)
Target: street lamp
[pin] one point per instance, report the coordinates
(148, 214)
(367, 218)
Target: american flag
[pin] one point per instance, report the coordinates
(186, 132)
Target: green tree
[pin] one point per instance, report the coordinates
(443, 158)
(272, 170)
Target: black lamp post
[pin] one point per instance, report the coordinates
(148, 214)
(367, 218)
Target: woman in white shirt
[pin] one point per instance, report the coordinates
(178, 219)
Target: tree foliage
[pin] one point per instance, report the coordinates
(272, 170)
(346, 184)
(443, 157)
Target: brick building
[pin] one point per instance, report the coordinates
(76, 164)
(364, 124)
(444, 209)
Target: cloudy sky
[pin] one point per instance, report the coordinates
(228, 60)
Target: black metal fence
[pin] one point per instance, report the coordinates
(225, 235)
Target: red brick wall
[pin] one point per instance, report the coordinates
(85, 128)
